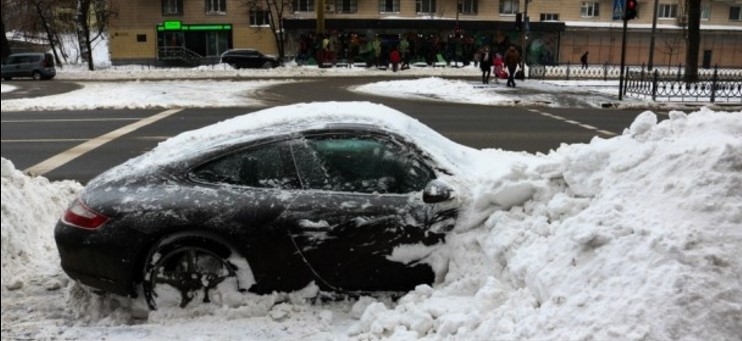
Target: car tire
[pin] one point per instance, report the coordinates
(267, 65)
(7, 78)
(181, 270)
(37, 75)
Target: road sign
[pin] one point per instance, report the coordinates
(618, 9)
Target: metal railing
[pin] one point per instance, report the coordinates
(718, 86)
(179, 55)
(604, 71)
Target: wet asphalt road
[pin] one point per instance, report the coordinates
(29, 138)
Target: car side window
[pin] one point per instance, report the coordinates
(367, 164)
(265, 166)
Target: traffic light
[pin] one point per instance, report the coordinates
(519, 21)
(630, 11)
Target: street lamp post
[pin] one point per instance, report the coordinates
(524, 34)
(457, 29)
(319, 10)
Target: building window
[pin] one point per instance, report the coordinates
(141, 38)
(260, 18)
(705, 12)
(509, 6)
(469, 6)
(667, 11)
(590, 9)
(388, 6)
(216, 6)
(303, 5)
(346, 6)
(549, 17)
(734, 13)
(425, 6)
(172, 7)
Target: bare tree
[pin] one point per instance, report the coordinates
(694, 40)
(4, 43)
(46, 21)
(274, 11)
(34, 20)
(92, 18)
(673, 43)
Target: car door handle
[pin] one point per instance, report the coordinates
(314, 225)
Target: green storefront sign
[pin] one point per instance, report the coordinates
(176, 25)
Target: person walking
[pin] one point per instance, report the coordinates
(404, 51)
(395, 58)
(485, 64)
(498, 67)
(376, 46)
(512, 59)
(583, 60)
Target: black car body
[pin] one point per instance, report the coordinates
(249, 58)
(306, 198)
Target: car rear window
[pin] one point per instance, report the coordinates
(49, 60)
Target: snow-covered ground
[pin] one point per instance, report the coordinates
(137, 86)
(628, 238)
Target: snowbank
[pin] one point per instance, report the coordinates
(633, 237)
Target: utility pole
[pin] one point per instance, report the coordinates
(650, 65)
(524, 36)
(319, 9)
(526, 26)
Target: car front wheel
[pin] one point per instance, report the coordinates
(267, 65)
(184, 270)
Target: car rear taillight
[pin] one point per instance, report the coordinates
(80, 215)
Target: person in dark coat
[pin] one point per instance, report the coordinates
(583, 60)
(485, 64)
(512, 59)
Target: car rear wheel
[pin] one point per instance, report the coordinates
(37, 75)
(185, 270)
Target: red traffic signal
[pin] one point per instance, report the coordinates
(631, 10)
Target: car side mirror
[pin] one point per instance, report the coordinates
(437, 191)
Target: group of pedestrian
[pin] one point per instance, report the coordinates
(488, 61)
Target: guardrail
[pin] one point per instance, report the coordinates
(718, 86)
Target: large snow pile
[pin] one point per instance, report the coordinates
(633, 237)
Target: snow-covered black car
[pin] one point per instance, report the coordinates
(349, 196)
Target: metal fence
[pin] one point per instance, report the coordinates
(602, 71)
(719, 86)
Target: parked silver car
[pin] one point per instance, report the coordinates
(35, 65)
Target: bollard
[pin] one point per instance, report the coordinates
(654, 85)
(714, 79)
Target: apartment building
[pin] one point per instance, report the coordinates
(550, 31)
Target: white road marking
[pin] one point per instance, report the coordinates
(579, 124)
(43, 140)
(64, 157)
(44, 120)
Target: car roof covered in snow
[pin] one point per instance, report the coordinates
(297, 118)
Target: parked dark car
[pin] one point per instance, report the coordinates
(269, 201)
(249, 58)
(35, 65)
